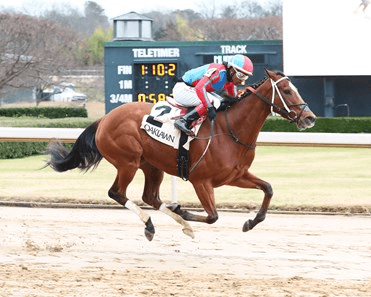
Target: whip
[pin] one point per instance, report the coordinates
(207, 146)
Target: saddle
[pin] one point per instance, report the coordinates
(159, 124)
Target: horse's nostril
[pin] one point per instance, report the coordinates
(311, 119)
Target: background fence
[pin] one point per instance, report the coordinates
(355, 140)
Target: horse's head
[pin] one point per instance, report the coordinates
(286, 101)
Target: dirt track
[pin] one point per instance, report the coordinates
(75, 252)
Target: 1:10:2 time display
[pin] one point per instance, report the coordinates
(154, 81)
(158, 69)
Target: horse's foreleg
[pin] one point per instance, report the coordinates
(248, 180)
(120, 197)
(151, 195)
(205, 193)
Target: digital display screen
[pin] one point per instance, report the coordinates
(154, 81)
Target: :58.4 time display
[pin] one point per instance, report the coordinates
(151, 97)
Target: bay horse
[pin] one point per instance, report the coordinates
(118, 138)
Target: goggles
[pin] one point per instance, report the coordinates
(240, 75)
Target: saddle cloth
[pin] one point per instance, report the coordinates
(159, 124)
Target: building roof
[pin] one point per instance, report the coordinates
(132, 16)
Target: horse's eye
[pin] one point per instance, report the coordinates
(287, 91)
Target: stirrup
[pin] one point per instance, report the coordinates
(182, 126)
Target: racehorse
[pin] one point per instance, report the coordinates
(118, 138)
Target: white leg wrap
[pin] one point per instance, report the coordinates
(136, 209)
(187, 229)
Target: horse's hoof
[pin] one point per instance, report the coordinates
(149, 235)
(247, 226)
(149, 230)
(189, 232)
(174, 207)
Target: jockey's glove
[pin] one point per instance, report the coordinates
(211, 113)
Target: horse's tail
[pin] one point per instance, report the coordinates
(84, 154)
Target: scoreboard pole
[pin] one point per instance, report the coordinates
(174, 195)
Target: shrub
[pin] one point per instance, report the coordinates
(12, 150)
(323, 125)
(46, 112)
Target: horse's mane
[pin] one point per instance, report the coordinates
(229, 101)
(258, 84)
(247, 93)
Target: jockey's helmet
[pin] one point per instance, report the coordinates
(242, 64)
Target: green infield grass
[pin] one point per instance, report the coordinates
(302, 178)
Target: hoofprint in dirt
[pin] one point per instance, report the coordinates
(93, 252)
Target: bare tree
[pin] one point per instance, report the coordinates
(237, 20)
(188, 14)
(162, 24)
(66, 15)
(274, 8)
(208, 9)
(165, 25)
(251, 9)
(94, 16)
(240, 29)
(85, 22)
(228, 12)
(31, 50)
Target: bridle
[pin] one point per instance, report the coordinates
(286, 111)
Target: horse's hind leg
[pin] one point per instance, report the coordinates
(118, 193)
(151, 195)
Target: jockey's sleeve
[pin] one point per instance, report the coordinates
(231, 89)
(204, 84)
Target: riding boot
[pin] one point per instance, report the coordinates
(184, 123)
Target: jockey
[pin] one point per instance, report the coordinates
(194, 90)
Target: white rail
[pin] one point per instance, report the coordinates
(39, 134)
(356, 140)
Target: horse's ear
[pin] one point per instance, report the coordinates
(269, 73)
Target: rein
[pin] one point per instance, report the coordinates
(234, 136)
(207, 146)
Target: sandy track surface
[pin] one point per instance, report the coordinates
(94, 252)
